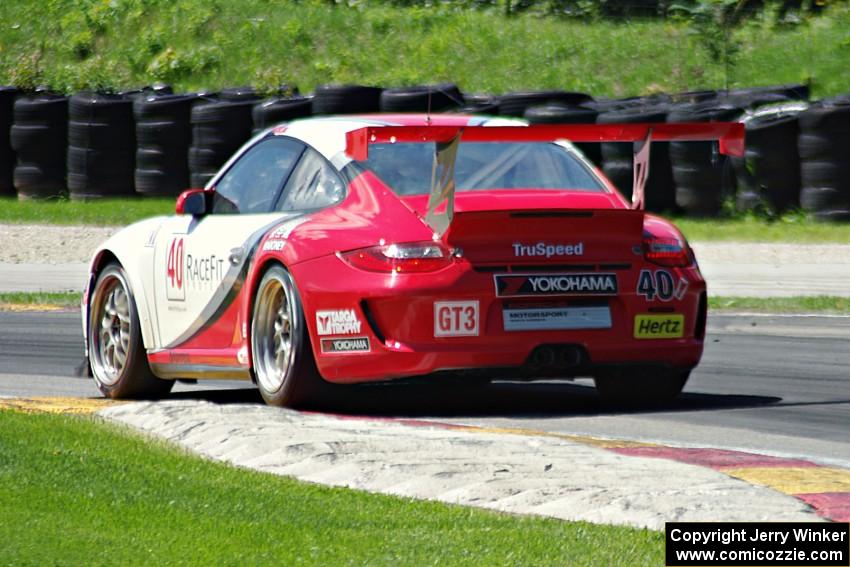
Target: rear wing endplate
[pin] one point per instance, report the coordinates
(729, 135)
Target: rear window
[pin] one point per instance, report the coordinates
(406, 167)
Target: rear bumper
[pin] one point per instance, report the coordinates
(396, 315)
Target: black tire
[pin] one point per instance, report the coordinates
(45, 108)
(276, 110)
(7, 155)
(516, 103)
(38, 141)
(115, 110)
(288, 379)
(417, 99)
(824, 198)
(641, 386)
(346, 99)
(132, 377)
(159, 183)
(101, 136)
(36, 182)
(239, 94)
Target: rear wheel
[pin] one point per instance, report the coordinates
(116, 353)
(280, 345)
(641, 386)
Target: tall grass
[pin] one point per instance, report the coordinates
(208, 44)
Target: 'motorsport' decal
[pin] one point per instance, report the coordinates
(525, 285)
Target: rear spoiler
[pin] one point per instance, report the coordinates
(730, 136)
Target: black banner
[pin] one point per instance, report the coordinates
(693, 544)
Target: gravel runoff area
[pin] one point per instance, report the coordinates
(524, 474)
(52, 244)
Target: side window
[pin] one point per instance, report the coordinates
(253, 183)
(314, 184)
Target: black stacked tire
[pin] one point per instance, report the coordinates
(561, 114)
(824, 146)
(219, 128)
(436, 98)
(618, 159)
(516, 103)
(479, 103)
(101, 146)
(703, 177)
(7, 155)
(163, 138)
(346, 99)
(39, 137)
(770, 174)
(275, 110)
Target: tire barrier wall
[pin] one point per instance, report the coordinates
(7, 154)
(101, 146)
(39, 136)
(824, 149)
(169, 142)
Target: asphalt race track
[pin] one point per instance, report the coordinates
(773, 384)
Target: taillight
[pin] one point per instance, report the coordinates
(407, 258)
(667, 252)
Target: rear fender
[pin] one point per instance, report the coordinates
(133, 248)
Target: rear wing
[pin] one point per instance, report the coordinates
(729, 135)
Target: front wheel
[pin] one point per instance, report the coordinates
(641, 386)
(116, 353)
(280, 345)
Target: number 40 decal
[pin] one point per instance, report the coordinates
(174, 270)
(661, 285)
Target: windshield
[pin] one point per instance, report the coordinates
(406, 167)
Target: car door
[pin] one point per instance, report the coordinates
(200, 263)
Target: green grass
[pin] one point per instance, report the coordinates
(25, 298)
(73, 491)
(208, 44)
(816, 304)
(794, 228)
(100, 212)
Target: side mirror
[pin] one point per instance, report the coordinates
(192, 202)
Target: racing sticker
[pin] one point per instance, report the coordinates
(174, 270)
(660, 285)
(338, 322)
(531, 285)
(556, 318)
(671, 326)
(349, 344)
(456, 318)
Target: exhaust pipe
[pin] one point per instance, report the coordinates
(543, 357)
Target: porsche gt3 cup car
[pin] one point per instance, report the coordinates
(368, 248)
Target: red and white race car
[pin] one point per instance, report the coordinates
(369, 248)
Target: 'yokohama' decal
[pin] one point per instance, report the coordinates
(536, 285)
